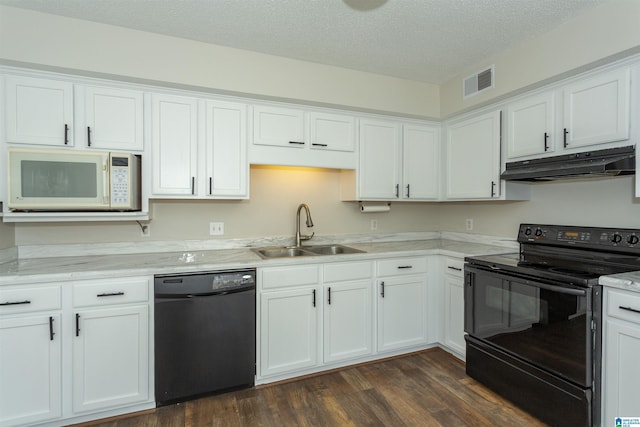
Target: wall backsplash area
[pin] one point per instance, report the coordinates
(277, 191)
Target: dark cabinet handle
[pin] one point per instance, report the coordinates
(382, 289)
(210, 186)
(397, 190)
(635, 310)
(15, 302)
(546, 145)
(88, 136)
(493, 188)
(193, 185)
(400, 267)
(329, 295)
(51, 333)
(66, 134)
(408, 191)
(110, 294)
(77, 325)
(454, 268)
(318, 145)
(566, 132)
(296, 142)
(313, 302)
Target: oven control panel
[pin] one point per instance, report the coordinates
(590, 237)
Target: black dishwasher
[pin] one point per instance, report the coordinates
(205, 326)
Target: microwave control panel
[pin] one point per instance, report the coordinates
(120, 182)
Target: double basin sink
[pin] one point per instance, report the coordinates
(300, 251)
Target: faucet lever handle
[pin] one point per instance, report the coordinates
(307, 236)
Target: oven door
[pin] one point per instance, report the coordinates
(548, 325)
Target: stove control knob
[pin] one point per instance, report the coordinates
(616, 238)
(538, 232)
(527, 231)
(633, 239)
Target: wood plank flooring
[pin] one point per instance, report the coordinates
(428, 388)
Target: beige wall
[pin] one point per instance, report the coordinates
(7, 236)
(275, 195)
(602, 203)
(49, 40)
(603, 31)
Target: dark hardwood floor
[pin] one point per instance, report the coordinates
(428, 388)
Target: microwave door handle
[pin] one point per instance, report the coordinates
(105, 180)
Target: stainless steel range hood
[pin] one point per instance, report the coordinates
(609, 162)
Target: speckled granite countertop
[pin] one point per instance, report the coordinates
(627, 281)
(33, 270)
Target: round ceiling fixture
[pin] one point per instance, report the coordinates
(364, 5)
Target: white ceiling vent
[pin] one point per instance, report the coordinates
(476, 83)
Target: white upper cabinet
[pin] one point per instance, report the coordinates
(38, 111)
(302, 137)
(473, 157)
(199, 148)
(282, 127)
(597, 110)
(174, 138)
(332, 132)
(531, 126)
(227, 167)
(379, 163)
(588, 114)
(113, 118)
(420, 162)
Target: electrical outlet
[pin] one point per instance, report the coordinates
(145, 230)
(374, 224)
(216, 228)
(469, 224)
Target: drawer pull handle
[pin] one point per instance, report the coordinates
(635, 310)
(51, 333)
(111, 294)
(404, 266)
(454, 268)
(315, 144)
(296, 142)
(16, 302)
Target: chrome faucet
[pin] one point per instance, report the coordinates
(301, 237)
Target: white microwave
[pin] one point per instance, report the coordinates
(64, 180)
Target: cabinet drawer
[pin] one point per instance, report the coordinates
(454, 266)
(344, 271)
(624, 305)
(282, 277)
(116, 291)
(26, 300)
(401, 266)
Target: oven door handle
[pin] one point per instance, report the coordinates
(561, 289)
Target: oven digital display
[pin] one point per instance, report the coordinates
(574, 235)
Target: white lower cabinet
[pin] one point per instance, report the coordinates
(30, 355)
(96, 333)
(402, 303)
(621, 370)
(454, 305)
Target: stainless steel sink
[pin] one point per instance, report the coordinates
(293, 251)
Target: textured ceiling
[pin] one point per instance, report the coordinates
(423, 40)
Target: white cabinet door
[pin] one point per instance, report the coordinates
(39, 111)
(335, 132)
(532, 126)
(597, 110)
(454, 314)
(348, 321)
(113, 119)
(420, 162)
(473, 158)
(227, 166)
(110, 357)
(402, 312)
(622, 370)
(174, 137)
(379, 164)
(278, 126)
(288, 330)
(30, 369)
